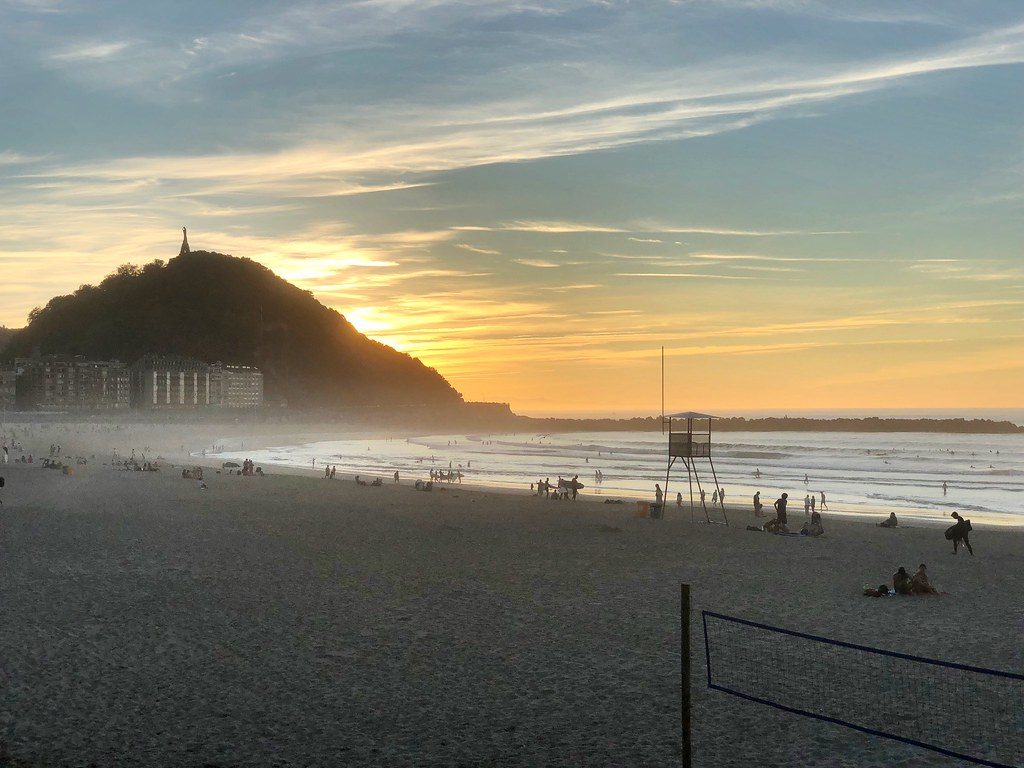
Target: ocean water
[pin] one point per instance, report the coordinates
(865, 473)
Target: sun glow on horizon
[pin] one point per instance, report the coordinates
(804, 212)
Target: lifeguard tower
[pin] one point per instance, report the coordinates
(690, 444)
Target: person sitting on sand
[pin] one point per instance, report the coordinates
(890, 523)
(960, 532)
(814, 527)
(901, 581)
(919, 584)
(880, 591)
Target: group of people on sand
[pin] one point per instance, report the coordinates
(442, 476)
(5, 453)
(132, 464)
(55, 463)
(250, 469)
(905, 584)
(330, 471)
(563, 489)
(377, 482)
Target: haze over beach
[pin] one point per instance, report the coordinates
(434, 383)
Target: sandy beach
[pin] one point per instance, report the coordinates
(291, 620)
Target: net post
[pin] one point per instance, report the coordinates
(684, 672)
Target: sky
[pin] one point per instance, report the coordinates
(808, 204)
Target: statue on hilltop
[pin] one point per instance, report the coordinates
(184, 242)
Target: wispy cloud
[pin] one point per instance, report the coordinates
(693, 275)
(92, 52)
(481, 251)
(539, 263)
(577, 227)
(10, 157)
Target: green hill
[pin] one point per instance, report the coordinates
(5, 336)
(215, 307)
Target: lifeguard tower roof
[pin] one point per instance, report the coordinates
(691, 415)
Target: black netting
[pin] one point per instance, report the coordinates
(971, 713)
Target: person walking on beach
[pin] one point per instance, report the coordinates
(714, 497)
(807, 505)
(824, 506)
(813, 499)
(960, 532)
(679, 499)
(944, 487)
(758, 506)
(658, 495)
(721, 497)
(703, 495)
(396, 475)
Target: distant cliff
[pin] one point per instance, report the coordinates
(784, 424)
(216, 307)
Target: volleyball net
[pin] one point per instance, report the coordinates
(958, 710)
